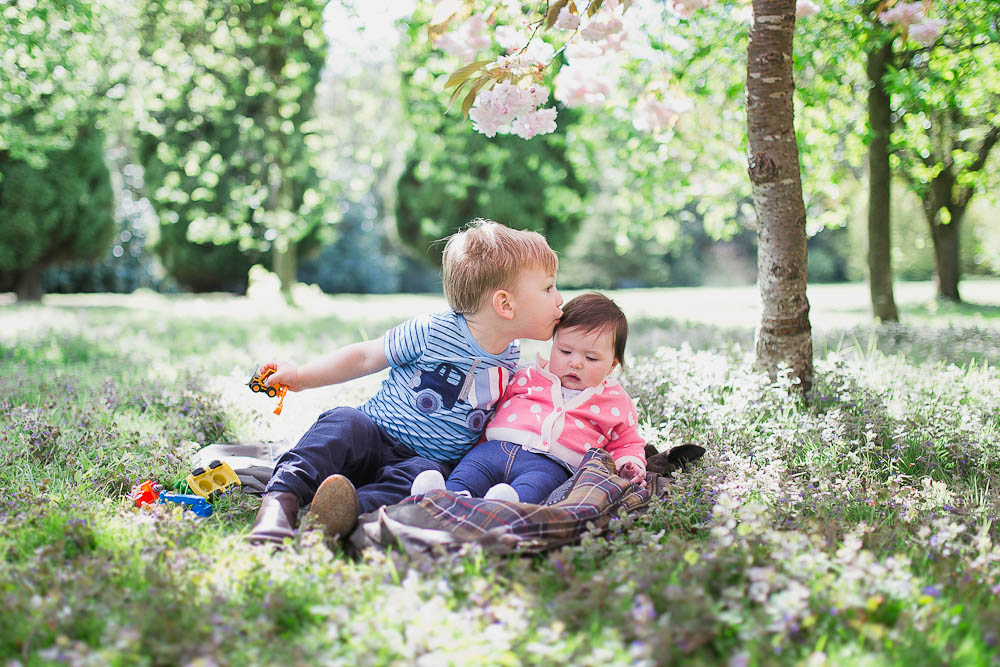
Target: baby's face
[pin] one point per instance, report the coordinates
(581, 359)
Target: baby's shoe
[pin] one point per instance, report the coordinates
(502, 491)
(428, 480)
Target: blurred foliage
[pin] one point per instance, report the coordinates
(127, 266)
(947, 98)
(224, 129)
(454, 174)
(364, 260)
(696, 167)
(64, 63)
(606, 258)
(56, 213)
(228, 114)
(360, 110)
(945, 101)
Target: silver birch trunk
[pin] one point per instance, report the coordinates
(784, 336)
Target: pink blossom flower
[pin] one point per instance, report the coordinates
(510, 38)
(484, 119)
(806, 8)
(927, 32)
(598, 30)
(653, 115)
(507, 107)
(512, 98)
(581, 86)
(493, 111)
(615, 43)
(542, 121)
(466, 40)
(582, 50)
(539, 52)
(567, 20)
(684, 8)
(904, 14)
(539, 94)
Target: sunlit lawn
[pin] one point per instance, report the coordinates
(857, 528)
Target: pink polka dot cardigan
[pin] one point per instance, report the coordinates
(532, 413)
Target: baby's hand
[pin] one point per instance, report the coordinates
(634, 473)
(284, 373)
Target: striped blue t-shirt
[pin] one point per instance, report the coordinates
(442, 385)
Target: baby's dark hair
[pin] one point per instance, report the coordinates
(596, 312)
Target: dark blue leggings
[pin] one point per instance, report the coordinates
(348, 442)
(533, 476)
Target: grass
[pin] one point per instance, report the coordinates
(859, 526)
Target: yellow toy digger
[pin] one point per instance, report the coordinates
(256, 385)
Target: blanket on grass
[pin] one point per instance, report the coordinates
(587, 501)
(591, 498)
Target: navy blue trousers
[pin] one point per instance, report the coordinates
(533, 476)
(348, 442)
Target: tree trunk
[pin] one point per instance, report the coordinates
(29, 284)
(784, 337)
(947, 270)
(879, 189)
(944, 215)
(286, 265)
(279, 204)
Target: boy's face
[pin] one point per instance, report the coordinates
(581, 359)
(536, 304)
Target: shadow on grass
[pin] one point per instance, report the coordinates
(938, 308)
(963, 346)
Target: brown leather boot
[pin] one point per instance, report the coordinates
(276, 520)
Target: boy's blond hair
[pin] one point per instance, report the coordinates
(487, 256)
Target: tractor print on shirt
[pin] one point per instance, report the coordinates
(447, 384)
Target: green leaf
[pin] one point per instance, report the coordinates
(595, 7)
(553, 14)
(459, 76)
(471, 97)
(455, 93)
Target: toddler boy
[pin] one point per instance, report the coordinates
(447, 370)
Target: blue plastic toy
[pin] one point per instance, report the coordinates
(196, 504)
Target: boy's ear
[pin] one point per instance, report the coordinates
(502, 304)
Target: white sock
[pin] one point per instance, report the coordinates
(428, 480)
(502, 491)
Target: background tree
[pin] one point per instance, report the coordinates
(224, 109)
(63, 63)
(62, 70)
(54, 214)
(651, 187)
(897, 43)
(947, 96)
(849, 83)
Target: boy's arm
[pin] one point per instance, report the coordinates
(347, 363)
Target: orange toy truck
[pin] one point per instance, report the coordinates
(256, 385)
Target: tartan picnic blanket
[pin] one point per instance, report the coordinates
(586, 502)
